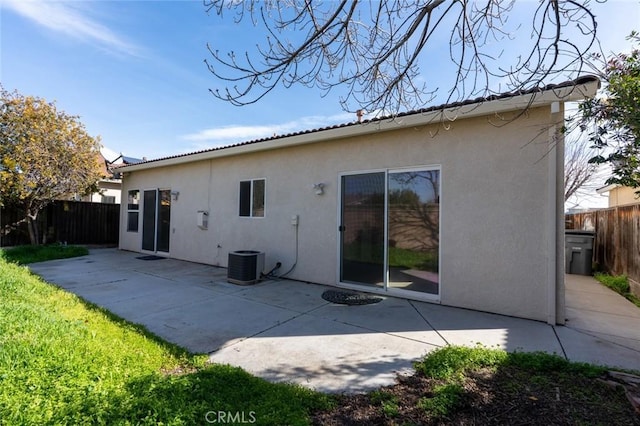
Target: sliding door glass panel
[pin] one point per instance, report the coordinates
(362, 229)
(414, 230)
(164, 220)
(149, 221)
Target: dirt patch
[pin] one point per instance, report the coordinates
(507, 395)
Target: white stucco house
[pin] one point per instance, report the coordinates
(110, 186)
(459, 204)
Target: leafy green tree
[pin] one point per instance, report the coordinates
(45, 154)
(617, 117)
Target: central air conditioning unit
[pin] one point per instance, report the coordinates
(245, 267)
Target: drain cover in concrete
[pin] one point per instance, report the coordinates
(349, 298)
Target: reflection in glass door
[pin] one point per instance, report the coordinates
(362, 229)
(413, 226)
(390, 230)
(164, 220)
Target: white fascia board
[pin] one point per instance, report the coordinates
(607, 188)
(483, 108)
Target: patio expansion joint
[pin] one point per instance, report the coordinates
(388, 333)
(108, 282)
(164, 277)
(428, 323)
(170, 308)
(238, 341)
(239, 295)
(587, 333)
(555, 333)
(614, 314)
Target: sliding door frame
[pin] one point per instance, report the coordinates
(156, 225)
(385, 289)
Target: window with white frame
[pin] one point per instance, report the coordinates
(133, 210)
(252, 194)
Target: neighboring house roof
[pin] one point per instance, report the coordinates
(567, 91)
(131, 160)
(607, 188)
(104, 169)
(122, 160)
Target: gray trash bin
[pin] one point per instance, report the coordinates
(578, 250)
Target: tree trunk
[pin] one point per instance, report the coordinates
(32, 226)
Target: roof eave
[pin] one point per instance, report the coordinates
(607, 188)
(575, 92)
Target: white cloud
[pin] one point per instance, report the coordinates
(67, 18)
(209, 138)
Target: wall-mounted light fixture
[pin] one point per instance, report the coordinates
(175, 195)
(319, 188)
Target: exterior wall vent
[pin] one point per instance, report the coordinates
(245, 267)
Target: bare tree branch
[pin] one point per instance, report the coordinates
(581, 177)
(377, 51)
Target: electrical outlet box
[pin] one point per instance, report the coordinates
(294, 220)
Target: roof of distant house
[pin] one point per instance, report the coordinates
(607, 188)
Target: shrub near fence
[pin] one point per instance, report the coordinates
(617, 244)
(73, 222)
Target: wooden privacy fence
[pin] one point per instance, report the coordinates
(73, 222)
(617, 243)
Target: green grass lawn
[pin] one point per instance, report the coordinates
(63, 361)
(31, 254)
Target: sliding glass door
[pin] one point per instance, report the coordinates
(156, 220)
(362, 229)
(413, 224)
(390, 230)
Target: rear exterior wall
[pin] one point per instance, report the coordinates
(495, 216)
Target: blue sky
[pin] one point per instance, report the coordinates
(134, 72)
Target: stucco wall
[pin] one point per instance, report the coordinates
(623, 195)
(494, 206)
(110, 189)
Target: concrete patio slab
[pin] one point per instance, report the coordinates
(470, 328)
(208, 325)
(284, 331)
(393, 316)
(604, 317)
(600, 350)
(285, 294)
(326, 355)
(145, 298)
